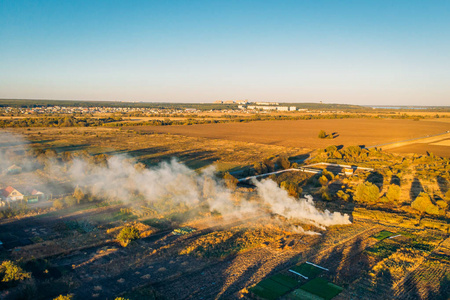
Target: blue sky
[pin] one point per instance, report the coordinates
(360, 52)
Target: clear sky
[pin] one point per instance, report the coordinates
(394, 52)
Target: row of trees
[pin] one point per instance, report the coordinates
(64, 121)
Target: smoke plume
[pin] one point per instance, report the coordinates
(175, 184)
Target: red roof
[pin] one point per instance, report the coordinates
(6, 191)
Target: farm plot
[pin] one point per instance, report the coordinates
(383, 234)
(307, 270)
(317, 288)
(303, 133)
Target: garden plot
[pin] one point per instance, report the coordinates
(274, 287)
(317, 288)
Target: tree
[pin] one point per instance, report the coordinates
(230, 181)
(70, 201)
(393, 193)
(260, 168)
(78, 194)
(11, 272)
(292, 188)
(424, 205)
(323, 180)
(367, 192)
(342, 195)
(325, 193)
(127, 235)
(58, 204)
(322, 134)
(283, 162)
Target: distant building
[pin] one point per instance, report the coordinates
(218, 102)
(267, 103)
(10, 194)
(282, 108)
(348, 171)
(242, 102)
(14, 169)
(292, 108)
(34, 196)
(228, 102)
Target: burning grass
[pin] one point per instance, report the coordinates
(234, 240)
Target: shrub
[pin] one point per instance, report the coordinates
(323, 180)
(367, 192)
(393, 193)
(128, 234)
(230, 181)
(11, 272)
(58, 204)
(292, 188)
(424, 205)
(66, 297)
(342, 195)
(322, 134)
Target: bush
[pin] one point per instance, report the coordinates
(342, 195)
(367, 193)
(66, 297)
(230, 181)
(424, 205)
(325, 194)
(70, 201)
(323, 180)
(292, 188)
(11, 272)
(393, 193)
(59, 203)
(322, 134)
(127, 235)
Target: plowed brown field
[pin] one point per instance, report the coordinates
(303, 133)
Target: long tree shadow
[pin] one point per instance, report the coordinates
(416, 189)
(443, 184)
(376, 178)
(395, 180)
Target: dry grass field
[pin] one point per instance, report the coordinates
(303, 133)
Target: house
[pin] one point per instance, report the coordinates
(10, 194)
(34, 196)
(14, 169)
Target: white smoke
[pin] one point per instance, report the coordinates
(174, 183)
(303, 210)
(179, 184)
(11, 147)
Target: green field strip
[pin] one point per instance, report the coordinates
(268, 292)
(285, 280)
(383, 234)
(299, 294)
(307, 270)
(322, 288)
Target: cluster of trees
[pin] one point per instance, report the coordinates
(292, 188)
(324, 135)
(63, 121)
(268, 165)
(424, 204)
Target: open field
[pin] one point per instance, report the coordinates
(388, 249)
(303, 133)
